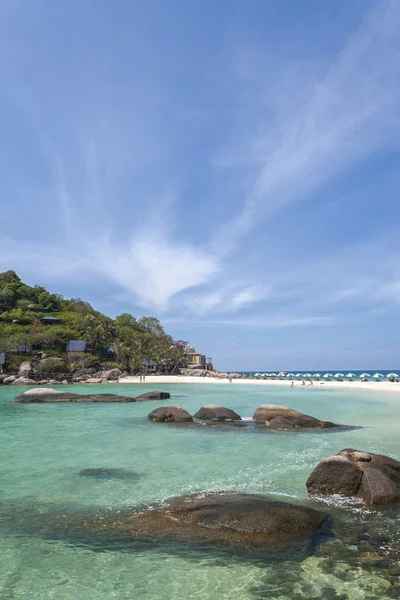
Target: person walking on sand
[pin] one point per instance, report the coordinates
(292, 384)
(230, 378)
(144, 377)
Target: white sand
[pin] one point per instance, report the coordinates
(384, 386)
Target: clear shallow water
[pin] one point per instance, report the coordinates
(43, 448)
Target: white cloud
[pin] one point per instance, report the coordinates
(247, 296)
(152, 268)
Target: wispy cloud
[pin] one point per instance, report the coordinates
(352, 112)
(260, 321)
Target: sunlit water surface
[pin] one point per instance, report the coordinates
(43, 448)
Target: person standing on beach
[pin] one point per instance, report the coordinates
(230, 378)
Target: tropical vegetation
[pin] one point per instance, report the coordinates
(134, 342)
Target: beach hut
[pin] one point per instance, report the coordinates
(328, 376)
(76, 346)
(50, 320)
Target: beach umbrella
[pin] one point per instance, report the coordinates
(392, 376)
(307, 375)
(378, 376)
(328, 375)
(317, 375)
(338, 376)
(257, 375)
(290, 375)
(364, 375)
(351, 375)
(298, 375)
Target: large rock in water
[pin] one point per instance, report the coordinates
(214, 412)
(171, 414)
(373, 477)
(283, 417)
(234, 519)
(154, 396)
(51, 395)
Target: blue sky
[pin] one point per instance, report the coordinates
(231, 167)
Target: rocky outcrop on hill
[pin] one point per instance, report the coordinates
(374, 478)
(214, 412)
(283, 417)
(38, 395)
(23, 381)
(25, 369)
(170, 414)
(113, 374)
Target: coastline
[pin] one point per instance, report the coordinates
(376, 386)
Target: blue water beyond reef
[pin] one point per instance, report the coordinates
(44, 447)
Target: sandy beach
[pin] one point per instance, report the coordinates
(383, 386)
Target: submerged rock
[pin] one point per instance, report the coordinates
(154, 396)
(373, 477)
(50, 395)
(171, 414)
(283, 417)
(237, 519)
(229, 520)
(109, 473)
(214, 412)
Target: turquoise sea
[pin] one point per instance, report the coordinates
(43, 448)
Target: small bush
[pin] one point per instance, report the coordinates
(47, 366)
(112, 365)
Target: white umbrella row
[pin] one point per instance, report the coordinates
(338, 376)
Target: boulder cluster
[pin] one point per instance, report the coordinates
(28, 375)
(270, 416)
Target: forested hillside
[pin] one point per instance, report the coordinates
(24, 333)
